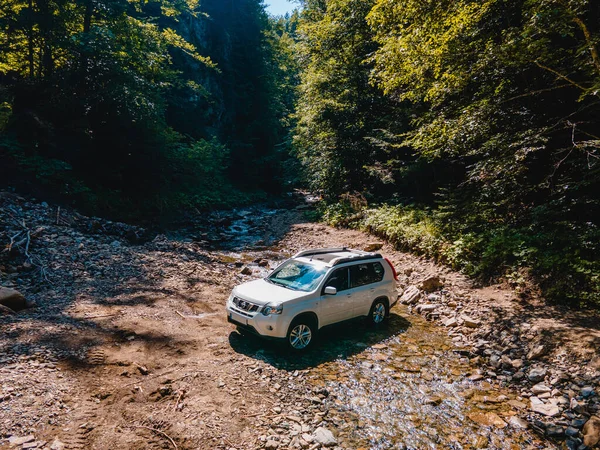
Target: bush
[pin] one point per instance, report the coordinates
(560, 257)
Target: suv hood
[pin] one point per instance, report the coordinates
(262, 292)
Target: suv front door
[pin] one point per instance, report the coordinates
(335, 308)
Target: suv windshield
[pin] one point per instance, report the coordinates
(297, 276)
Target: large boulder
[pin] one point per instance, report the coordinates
(431, 284)
(373, 247)
(12, 299)
(591, 432)
(324, 437)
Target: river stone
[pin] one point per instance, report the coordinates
(373, 247)
(12, 299)
(578, 407)
(324, 437)
(537, 374)
(517, 404)
(425, 307)
(410, 295)
(470, 322)
(451, 322)
(540, 388)
(16, 440)
(591, 431)
(5, 311)
(246, 271)
(517, 422)
(536, 352)
(488, 419)
(546, 409)
(587, 391)
(571, 431)
(431, 284)
(57, 445)
(271, 445)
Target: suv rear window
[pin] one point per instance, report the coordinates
(366, 273)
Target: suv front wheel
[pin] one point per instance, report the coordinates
(379, 311)
(301, 334)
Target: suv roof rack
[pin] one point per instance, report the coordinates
(321, 251)
(345, 259)
(355, 255)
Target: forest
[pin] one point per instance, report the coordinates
(466, 131)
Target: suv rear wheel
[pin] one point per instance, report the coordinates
(301, 334)
(379, 311)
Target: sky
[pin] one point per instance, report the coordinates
(279, 7)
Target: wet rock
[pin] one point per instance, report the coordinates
(517, 422)
(546, 409)
(470, 322)
(373, 247)
(12, 299)
(591, 431)
(537, 374)
(410, 295)
(488, 419)
(246, 271)
(571, 431)
(587, 391)
(324, 437)
(431, 284)
(555, 431)
(5, 311)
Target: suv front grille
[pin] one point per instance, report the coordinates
(244, 305)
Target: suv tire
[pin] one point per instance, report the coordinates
(301, 334)
(379, 312)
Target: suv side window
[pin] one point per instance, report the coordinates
(338, 279)
(367, 273)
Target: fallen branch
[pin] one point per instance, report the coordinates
(178, 400)
(162, 433)
(195, 316)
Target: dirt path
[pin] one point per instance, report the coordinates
(128, 348)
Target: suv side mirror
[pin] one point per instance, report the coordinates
(330, 290)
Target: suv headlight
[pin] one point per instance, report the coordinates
(272, 308)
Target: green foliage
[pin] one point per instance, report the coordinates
(133, 108)
(555, 258)
(487, 116)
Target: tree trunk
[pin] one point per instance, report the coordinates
(30, 40)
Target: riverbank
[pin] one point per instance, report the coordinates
(128, 347)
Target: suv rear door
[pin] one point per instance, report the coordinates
(365, 279)
(335, 308)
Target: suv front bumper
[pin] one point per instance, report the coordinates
(273, 326)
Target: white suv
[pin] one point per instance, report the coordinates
(313, 289)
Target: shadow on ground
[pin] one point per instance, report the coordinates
(338, 341)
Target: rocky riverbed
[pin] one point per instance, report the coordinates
(123, 344)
